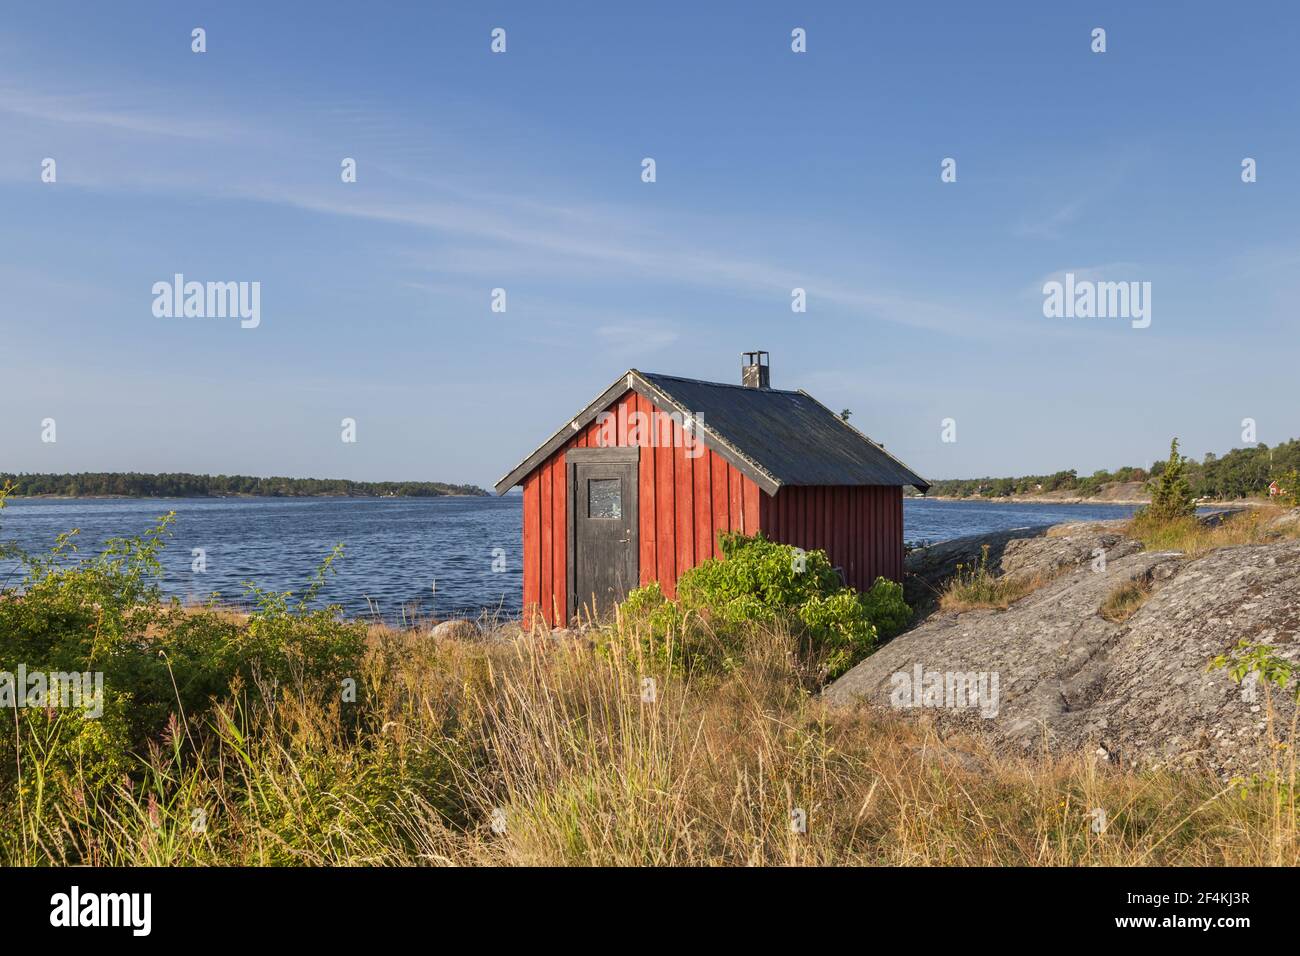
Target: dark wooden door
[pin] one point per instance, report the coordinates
(603, 531)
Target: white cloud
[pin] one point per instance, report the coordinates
(88, 111)
(472, 231)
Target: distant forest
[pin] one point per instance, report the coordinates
(1241, 473)
(136, 485)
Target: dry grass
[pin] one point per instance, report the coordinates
(998, 592)
(977, 586)
(554, 740)
(1123, 602)
(1195, 537)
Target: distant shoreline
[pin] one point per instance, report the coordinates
(1126, 502)
(116, 484)
(449, 494)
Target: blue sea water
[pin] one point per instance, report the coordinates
(425, 556)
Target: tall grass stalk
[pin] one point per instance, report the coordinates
(556, 740)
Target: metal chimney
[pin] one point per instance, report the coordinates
(756, 372)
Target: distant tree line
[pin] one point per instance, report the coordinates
(1241, 473)
(136, 485)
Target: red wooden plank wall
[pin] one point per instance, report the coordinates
(860, 528)
(684, 502)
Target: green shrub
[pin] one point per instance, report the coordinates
(760, 583)
(1171, 495)
(106, 614)
(886, 608)
(1262, 659)
(163, 666)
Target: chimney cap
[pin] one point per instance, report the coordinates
(755, 373)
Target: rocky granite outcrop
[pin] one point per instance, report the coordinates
(1068, 680)
(1042, 550)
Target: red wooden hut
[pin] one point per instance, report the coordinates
(637, 486)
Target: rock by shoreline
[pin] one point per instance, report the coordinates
(1136, 693)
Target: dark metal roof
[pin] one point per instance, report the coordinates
(790, 435)
(774, 437)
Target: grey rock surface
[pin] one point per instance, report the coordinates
(1068, 680)
(457, 629)
(1021, 551)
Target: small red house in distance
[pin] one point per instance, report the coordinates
(640, 483)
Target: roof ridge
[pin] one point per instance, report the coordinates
(705, 381)
(770, 456)
(708, 427)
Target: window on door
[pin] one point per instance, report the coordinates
(604, 498)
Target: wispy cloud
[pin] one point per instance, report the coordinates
(469, 230)
(92, 111)
(1103, 272)
(1054, 223)
(1060, 212)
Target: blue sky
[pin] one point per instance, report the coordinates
(522, 171)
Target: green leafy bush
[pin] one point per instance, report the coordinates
(760, 583)
(1248, 658)
(1171, 495)
(159, 667)
(886, 608)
